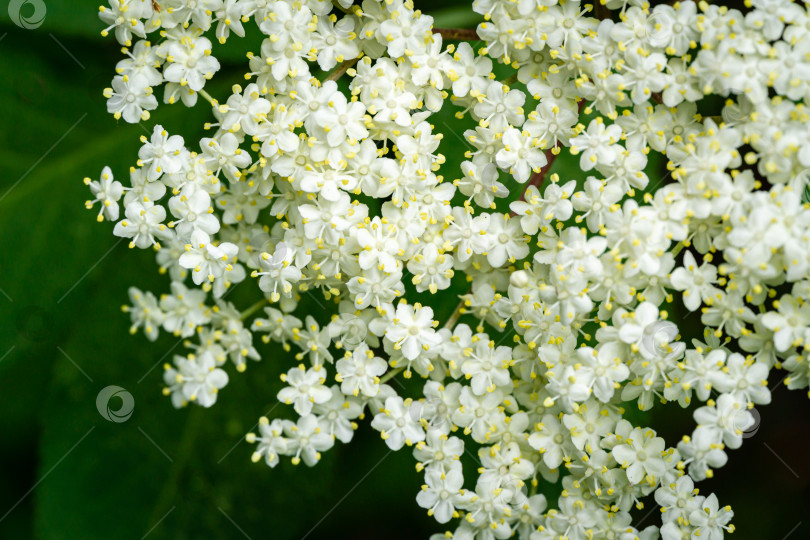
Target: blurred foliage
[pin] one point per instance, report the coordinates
(187, 474)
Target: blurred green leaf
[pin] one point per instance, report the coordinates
(461, 16)
(180, 474)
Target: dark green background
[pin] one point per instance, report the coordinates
(185, 474)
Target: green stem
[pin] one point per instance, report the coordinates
(451, 322)
(254, 308)
(391, 374)
(208, 97)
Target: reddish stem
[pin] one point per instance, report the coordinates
(341, 69)
(537, 178)
(457, 34)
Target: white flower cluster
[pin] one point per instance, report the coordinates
(304, 187)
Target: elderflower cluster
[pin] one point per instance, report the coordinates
(322, 176)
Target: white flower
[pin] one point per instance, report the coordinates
(728, 416)
(440, 493)
(325, 219)
(229, 14)
(335, 42)
(440, 402)
(142, 190)
(644, 75)
(106, 191)
(488, 507)
(639, 323)
(359, 371)
(224, 154)
(130, 98)
(398, 423)
(340, 121)
(196, 379)
(675, 27)
(641, 455)
(125, 17)
(469, 72)
(205, 259)
(305, 388)
(605, 367)
(145, 312)
(411, 329)
(597, 145)
(143, 224)
(789, 323)
(190, 63)
(550, 440)
(184, 310)
(438, 450)
(271, 441)
(678, 499)
(307, 440)
(406, 35)
(589, 426)
(431, 269)
(375, 238)
(479, 415)
(375, 288)
(467, 233)
(277, 274)
(161, 154)
(702, 453)
(711, 521)
(240, 203)
(745, 380)
(486, 365)
(192, 207)
(500, 107)
(393, 108)
(480, 183)
(289, 24)
(277, 138)
(507, 242)
(428, 66)
(505, 464)
(520, 155)
(336, 415)
(244, 111)
(537, 211)
(314, 342)
(696, 282)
